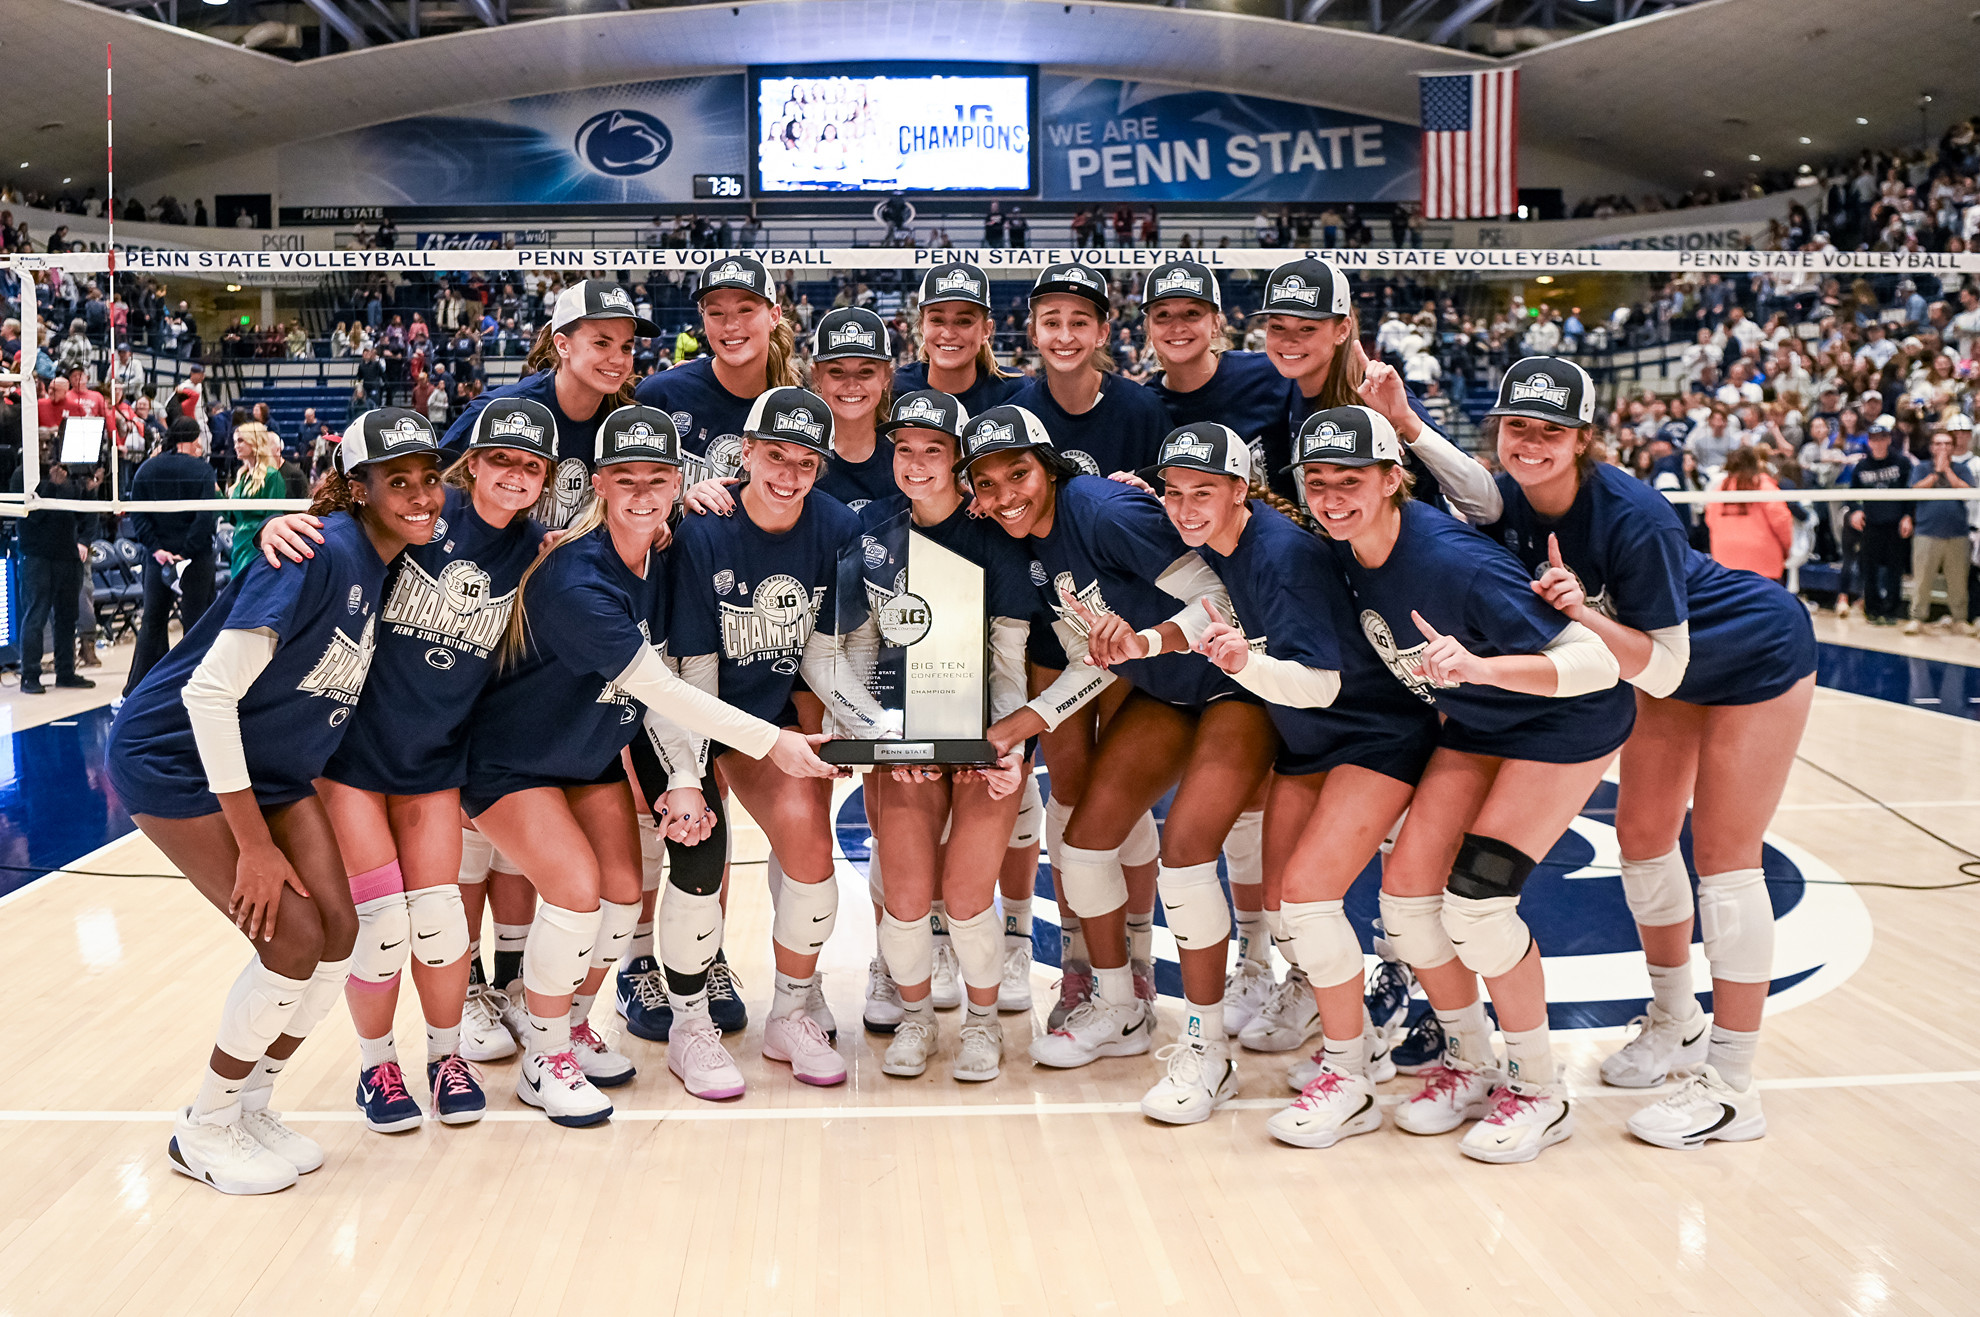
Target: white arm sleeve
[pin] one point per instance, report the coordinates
(842, 687)
(1283, 682)
(1075, 686)
(649, 680)
(1467, 484)
(1193, 580)
(1007, 640)
(212, 697)
(682, 755)
(1670, 655)
(1582, 663)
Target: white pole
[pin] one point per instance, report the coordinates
(30, 414)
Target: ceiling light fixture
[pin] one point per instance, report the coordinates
(1711, 173)
(66, 180)
(1861, 119)
(1807, 141)
(1754, 158)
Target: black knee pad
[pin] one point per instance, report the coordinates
(1487, 867)
(697, 869)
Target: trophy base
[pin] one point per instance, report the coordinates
(886, 754)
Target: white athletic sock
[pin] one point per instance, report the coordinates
(1205, 1024)
(921, 1010)
(548, 1035)
(1141, 935)
(938, 918)
(980, 1014)
(442, 1043)
(581, 1007)
(1348, 1056)
(1073, 937)
(376, 1051)
(791, 992)
(1017, 917)
(1115, 986)
(217, 1093)
(1670, 991)
(1731, 1054)
(257, 1088)
(1530, 1055)
(642, 940)
(1468, 1034)
(1254, 942)
(694, 1006)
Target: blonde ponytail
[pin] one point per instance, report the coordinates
(780, 368)
(515, 642)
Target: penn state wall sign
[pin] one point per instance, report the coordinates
(623, 143)
(1574, 905)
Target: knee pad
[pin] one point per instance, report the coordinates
(1329, 952)
(876, 886)
(1091, 881)
(1244, 849)
(690, 930)
(1144, 844)
(384, 924)
(615, 929)
(805, 915)
(1193, 903)
(439, 925)
(773, 875)
(325, 990)
(1030, 817)
(477, 853)
(1736, 921)
(1414, 926)
(908, 948)
(1389, 842)
(1487, 868)
(652, 856)
(1488, 933)
(979, 944)
(558, 953)
(947, 824)
(1275, 928)
(1658, 891)
(500, 863)
(1057, 815)
(258, 1010)
(694, 869)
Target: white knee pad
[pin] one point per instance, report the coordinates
(652, 857)
(325, 990)
(1057, 815)
(690, 930)
(1090, 881)
(805, 915)
(876, 886)
(384, 929)
(439, 925)
(1736, 921)
(258, 1010)
(1414, 926)
(908, 947)
(616, 923)
(1193, 903)
(477, 852)
(947, 824)
(558, 954)
(1329, 953)
(1389, 842)
(773, 874)
(979, 944)
(1030, 817)
(1144, 844)
(500, 863)
(1658, 891)
(1275, 928)
(1244, 849)
(1488, 933)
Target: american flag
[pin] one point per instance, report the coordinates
(1470, 144)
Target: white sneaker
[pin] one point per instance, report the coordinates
(1289, 1018)
(820, 1013)
(556, 1086)
(1450, 1096)
(226, 1156)
(1075, 989)
(945, 984)
(1526, 1120)
(1375, 1052)
(907, 1055)
(1663, 1046)
(696, 1056)
(883, 999)
(1095, 1029)
(980, 1051)
(1332, 1107)
(604, 1067)
(1246, 990)
(1014, 990)
(483, 1035)
(798, 1041)
(1704, 1109)
(513, 1006)
(1197, 1083)
(267, 1129)
(1913, 627)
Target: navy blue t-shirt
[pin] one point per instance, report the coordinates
(552, 714)
(1426, 489)
(441, 632)
(709, 417)
(1467, 587)
(1248, 394)
(1750, 639)
(857, 484)
(1122, 431)
(568, 490)
(323, 613)
(988, 391)
(754, 597)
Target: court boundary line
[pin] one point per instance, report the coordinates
(62, 870)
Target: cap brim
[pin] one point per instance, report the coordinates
(1081, 291)
(1539, 414)
(888, 427)
(642, 328)
(863, 354)
(983, 302)
(822, 448)
(962, 468)
(676, 462)
(1301, 314)
(1297, 467)
(706, 289)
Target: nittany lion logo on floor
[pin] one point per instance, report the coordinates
(1541, 387)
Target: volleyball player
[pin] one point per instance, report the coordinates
(1724, 668)
(958, 341)
(1532, 714)
(213, 755)
(852, 369)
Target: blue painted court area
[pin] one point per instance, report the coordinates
(1922, 683)
(55, 800)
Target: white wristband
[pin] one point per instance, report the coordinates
(1153, 636)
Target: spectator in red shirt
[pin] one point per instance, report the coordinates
(51, 407)
(83, 400)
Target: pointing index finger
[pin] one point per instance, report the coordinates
(1429, 632)
(1554, 551)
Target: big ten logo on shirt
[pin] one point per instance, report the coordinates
(338, 674)
(453, 612)
(721, 460)
(1402, 662)
(773, 625)
(565, 495)
(628, 706)
(1064, 589)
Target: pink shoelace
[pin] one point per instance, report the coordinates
(1439, 1081)
(563, 1066)
(1325, 1084)
(391, 1081)
(1509, 1103)
(586, 1036)
(455, 1077)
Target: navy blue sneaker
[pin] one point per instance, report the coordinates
(381, 1095)
(1388, 995)
(642, 992)
(725, 1003)
(457, 1095)
(1420, 1048)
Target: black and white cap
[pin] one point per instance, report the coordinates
(1547, 389)
(519, 423)
(1311, 289)
(1073, 278)
(1345, 436)
(1203, 446)
(637, 434)
(1001, 429)
(598, 299)
(926, 409)
(852, 332)
(1183, 279)
(386, 432)
(791, 415)
(743, 272)
(956, 281)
